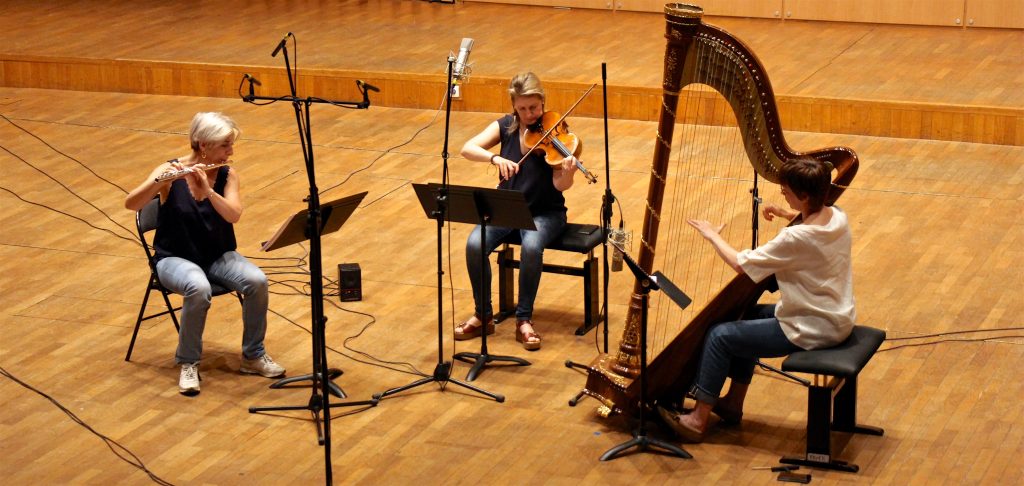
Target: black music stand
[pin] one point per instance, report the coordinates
(434, 200)
(296, 229)
(647, 284)
(487, 207)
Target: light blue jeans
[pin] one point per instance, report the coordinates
(230, 271)
(531, 260)
(731, 349)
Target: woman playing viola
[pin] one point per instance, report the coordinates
(542, 186)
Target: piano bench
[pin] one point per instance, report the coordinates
(832, 395)
(578, 238)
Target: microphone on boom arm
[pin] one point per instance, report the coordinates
(252, 81)
(365, 88)
(280, 45)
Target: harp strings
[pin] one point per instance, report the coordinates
(710, 179)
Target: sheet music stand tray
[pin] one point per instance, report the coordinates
(333, 215)
(487, 207)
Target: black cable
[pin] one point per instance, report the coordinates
(133, 240)
(79, 162)
(950, 333)
(389, 150)
(119, 450)
(943, 341)
(68, 189)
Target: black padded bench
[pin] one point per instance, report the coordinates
(579, 238)
(832, 396)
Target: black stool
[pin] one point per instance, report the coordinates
(832, 396)
(579, 238)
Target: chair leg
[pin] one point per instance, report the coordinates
(138, 322)
(591, 296)
(506, 284)
(170, 310)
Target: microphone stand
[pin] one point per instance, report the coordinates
(443, 369)
(322, 387)
(606, 228)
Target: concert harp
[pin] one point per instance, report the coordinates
(704, 55)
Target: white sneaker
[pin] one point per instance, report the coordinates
(263, 366)
(188, 382)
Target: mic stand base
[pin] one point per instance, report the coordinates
(479, 360)
(315, 406)
(332, 373)
(442, 374)
(642, 442)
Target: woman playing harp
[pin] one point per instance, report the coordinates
(811, 262)
(701, 55)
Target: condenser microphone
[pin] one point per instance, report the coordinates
(618, 237)
(280, 45)
(461, 69)
(252, 79)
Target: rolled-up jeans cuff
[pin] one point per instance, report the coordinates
(703, 396)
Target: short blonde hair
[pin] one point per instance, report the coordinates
(211, 127)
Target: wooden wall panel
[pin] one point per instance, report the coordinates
(595, 4)
(919, 12)
(995, 125)
(730, 8)
(995, 13)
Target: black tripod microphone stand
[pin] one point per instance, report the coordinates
(322, 387)
(443, 369)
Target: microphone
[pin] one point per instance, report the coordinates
(280, 45)
(252, 79)
(364, 85)
(619, 237)
(461, 69)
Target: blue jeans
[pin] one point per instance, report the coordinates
(230, 271)
(531, 261)
(731, 349)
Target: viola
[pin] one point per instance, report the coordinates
(550, 134)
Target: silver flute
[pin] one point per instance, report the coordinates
(174, 174)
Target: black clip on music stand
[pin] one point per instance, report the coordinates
(433, 198)
(647, 283)
(295, 230)
(487, 207)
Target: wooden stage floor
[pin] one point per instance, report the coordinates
(938, 239)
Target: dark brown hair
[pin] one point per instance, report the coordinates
(807, 178)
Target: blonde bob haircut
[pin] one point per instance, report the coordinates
(211, 128)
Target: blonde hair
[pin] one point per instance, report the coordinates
(210, 127)
(523, 84)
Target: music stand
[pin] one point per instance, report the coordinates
(297, 229)
(434, 200)
(294, 231)
(487, 207)
(658, 281)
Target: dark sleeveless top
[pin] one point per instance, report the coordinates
(191, 229)
(534, 176)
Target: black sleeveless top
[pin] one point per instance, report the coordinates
(534, 176)
(191, 229)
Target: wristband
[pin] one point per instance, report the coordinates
(492, 158)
